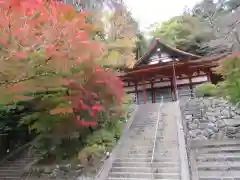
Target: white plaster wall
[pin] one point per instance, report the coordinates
(141, 87)
(182, 81)
(129, 89)
(199, 79)
(162, 84)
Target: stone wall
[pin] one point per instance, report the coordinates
(210, 118)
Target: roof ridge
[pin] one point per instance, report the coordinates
(176, 49)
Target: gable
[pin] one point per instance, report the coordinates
(158, 55)
(160, 52)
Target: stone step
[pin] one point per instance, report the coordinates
(144, 159)
(144, 137)
(111, 178)
(160, 149)
(127, 147)
(214, 150)
(133, 143)
(145, 169)
(132, 161)
(147, 119)
(7, 173)
(221, 166)
(10, 169)
(165, 155)
(218, 175)
(160, 142)
(143, 124)
(219, 157)
(140, 144)
(20, 160)
(13, 169)
(147, 128)
(137, 151)
(137, 147)
(4, 167)
(144, 133)
(141, 137)
(9, 178)
(16, 164)
(144, 175)
(145, 164)
(136, 160)
(146, 155)
(213, 143)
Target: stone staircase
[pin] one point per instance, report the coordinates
(149, 150)
(215, 160)
(13, 167)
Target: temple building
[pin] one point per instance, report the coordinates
(166, 74)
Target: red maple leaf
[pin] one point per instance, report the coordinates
(20, 55)
(97, 108)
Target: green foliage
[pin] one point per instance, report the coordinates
(101, 138)
(206, 90)
(230, 70)
(183, 32)
(54, 132)
(141, 46)
(100, 141)
(58, 138)
(13, 135)
(115, 128)
(41, 121)
(52, 149)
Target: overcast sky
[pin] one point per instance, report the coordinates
(147, 12)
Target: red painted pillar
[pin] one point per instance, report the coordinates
(174, 84)
(171, 79)
(191, 86)
(144, 93)
(153, 93)
(136, 91)
(174, 89)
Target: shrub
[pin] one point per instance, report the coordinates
(91, 155)
(101, 138)
(13, 135)
(116, 128)
(206, 90)
(229, 69)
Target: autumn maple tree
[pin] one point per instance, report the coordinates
(46, 45)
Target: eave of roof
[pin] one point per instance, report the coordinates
(210, 62)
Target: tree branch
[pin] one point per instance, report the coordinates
(27, 78)
(45, 62)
